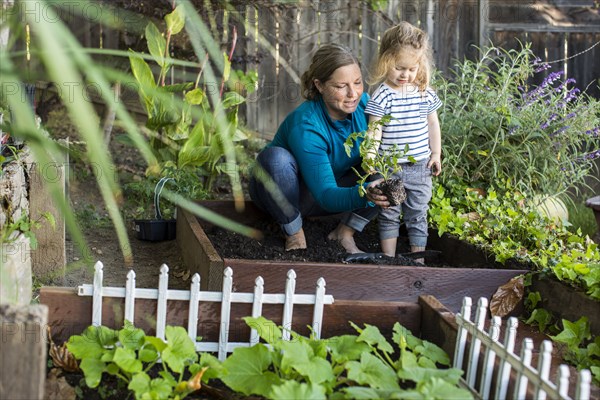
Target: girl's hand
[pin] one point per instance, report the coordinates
(376, 196)
(435, 164)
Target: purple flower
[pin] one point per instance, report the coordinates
(541, 67)
(593, 132)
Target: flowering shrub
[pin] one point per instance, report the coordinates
(497, 126)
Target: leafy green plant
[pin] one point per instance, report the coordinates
(342, 367)
(497, 126)
(506, 223)
(185, 129)
(384, 163)
(129, 354)
(582, 349)
(25, 226)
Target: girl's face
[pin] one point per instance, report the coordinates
(342, 91)
(404, 71)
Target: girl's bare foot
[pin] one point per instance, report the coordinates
(297, 241)
(345, 236)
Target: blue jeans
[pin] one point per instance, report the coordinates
(282, 193)
(417, 183)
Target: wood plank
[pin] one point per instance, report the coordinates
(23, 356)
(198, 254)
(438, 324)
(565, 302)
(375, 282)
(267, 120)
(69, 314)
(288, 90)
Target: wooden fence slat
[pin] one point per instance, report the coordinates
(526, 355)
(562, 380)
(257, 306)
(505, 367)
(288, 305)
(476, 342)
(461, 339)
(225, 313)
(544, 367)
(193, 312)
(97, 297)
(490, 359)
(130, 297)
(161, 305)
(584, 383)
(318, 309)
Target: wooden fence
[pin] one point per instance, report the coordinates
(278, 39)
(194, 297)
(489, 371)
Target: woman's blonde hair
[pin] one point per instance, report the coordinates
(402, 37)
(326, 60)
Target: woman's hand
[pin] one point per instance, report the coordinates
(376, 196)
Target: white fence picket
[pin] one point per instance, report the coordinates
(97, 297)
(510, 336)
(526, 354)
(461, 337)
(544, 366)
(288, 305)
(194, 296)
(476, 342)
(193, 311)
(161, 304)
(259, 289)
(130, 297)
(526, 374)
(318, 310)
(225, 313)
(489, 359)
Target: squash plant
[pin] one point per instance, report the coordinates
(186, 131)
(342, 367)
(129, 354)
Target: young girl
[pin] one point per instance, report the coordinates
(403, 69)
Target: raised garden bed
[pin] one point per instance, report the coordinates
(462, 272)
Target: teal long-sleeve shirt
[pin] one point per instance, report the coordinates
(317, 143)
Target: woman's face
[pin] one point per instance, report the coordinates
(342, 91)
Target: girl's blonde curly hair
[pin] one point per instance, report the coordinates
(397, 39)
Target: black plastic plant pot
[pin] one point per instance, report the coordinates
(155, 230)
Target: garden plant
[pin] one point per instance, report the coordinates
(377, 164)
(365, 365)
(510, 144)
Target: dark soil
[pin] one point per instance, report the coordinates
(113, 388)
(394, 191)
(319, 249)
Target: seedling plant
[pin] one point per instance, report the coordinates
(383, 164)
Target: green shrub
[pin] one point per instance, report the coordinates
(496, 126)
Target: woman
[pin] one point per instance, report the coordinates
(305, 169)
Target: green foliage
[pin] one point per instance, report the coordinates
(129, 354)
(508, 225)
(343, 367)
(384, 163)
(497, 126)
(583, 350)
(187, 131)
(25, 226)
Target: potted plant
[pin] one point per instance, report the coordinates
(156, 229)
(379, 163)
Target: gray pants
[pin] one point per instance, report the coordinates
(417, 182)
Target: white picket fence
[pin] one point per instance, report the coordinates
(526, 374)
(194, 296)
